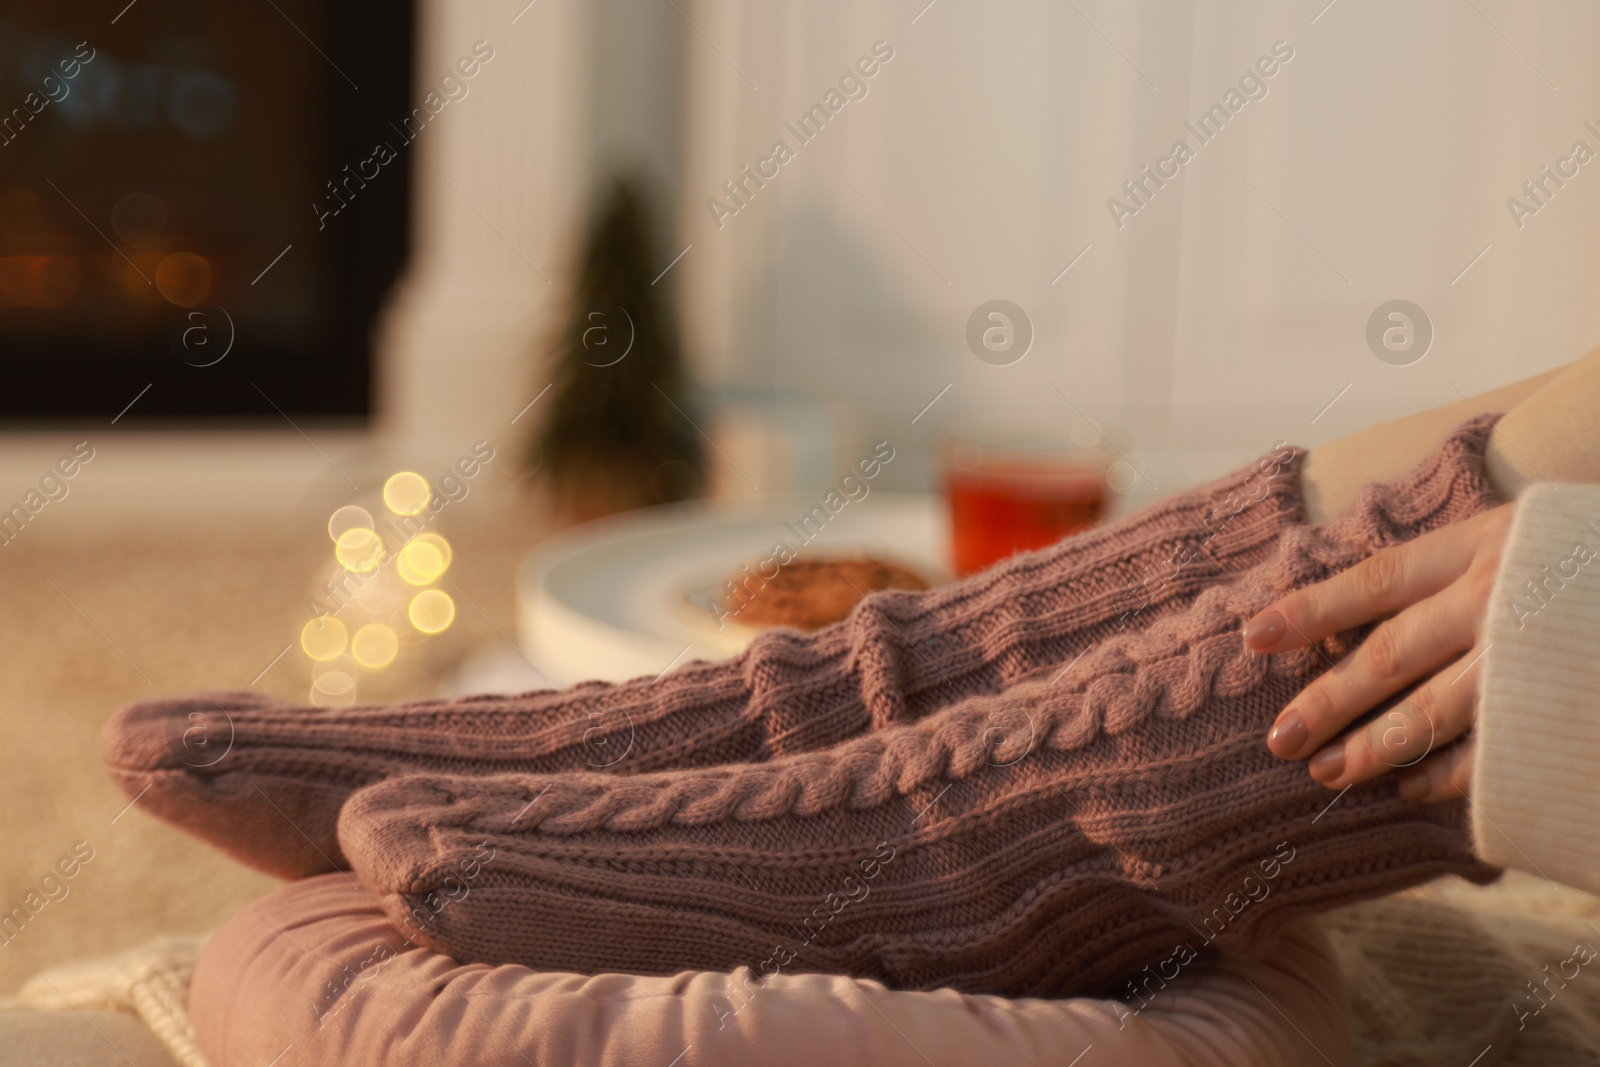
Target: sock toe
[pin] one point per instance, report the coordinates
(171, 758)
(382, 831)
(404, 839)
(176, 734)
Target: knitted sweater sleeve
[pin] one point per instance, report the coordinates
(1535, 788)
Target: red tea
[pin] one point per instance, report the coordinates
(998, 512)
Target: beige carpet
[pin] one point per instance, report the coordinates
(136, 611)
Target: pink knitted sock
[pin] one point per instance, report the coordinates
(265, 782)
(1047, 840)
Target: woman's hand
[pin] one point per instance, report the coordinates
(1437, 590)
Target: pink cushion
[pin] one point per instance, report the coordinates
(316, 967)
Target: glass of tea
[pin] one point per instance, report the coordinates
(1017, 488)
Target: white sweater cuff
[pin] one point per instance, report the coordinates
(1536, 771)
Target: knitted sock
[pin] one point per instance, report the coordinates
(265, 782)
(1047, 840)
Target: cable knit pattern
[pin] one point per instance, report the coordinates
(1048, 839)
(265, 782)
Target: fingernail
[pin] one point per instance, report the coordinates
(1289, 736)
(1328, 764)
(1414, 786)
(1264, 629)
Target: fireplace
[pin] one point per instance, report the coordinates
(168, 252)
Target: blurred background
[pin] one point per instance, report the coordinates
(362, 352)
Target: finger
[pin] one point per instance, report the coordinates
(1379, 585)
(1434, 715)
(1442, 776)
(1420, 640)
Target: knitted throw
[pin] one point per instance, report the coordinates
(1003, 829)
(265, 782)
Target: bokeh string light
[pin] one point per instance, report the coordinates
(349, 517)
(432, 611)
(406, 493)
(374, 646)
(420, 562)
(380, 596)
(323, 638)
(362, 551)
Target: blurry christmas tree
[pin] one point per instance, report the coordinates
(618, 433)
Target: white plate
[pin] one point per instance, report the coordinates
(630, 595)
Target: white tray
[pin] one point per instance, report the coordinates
(630, 595)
